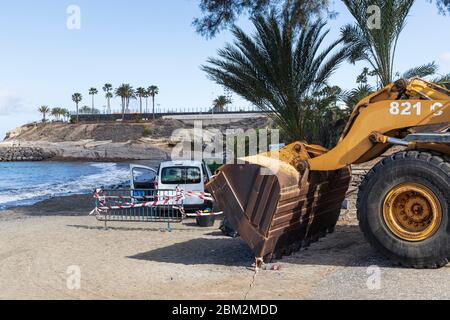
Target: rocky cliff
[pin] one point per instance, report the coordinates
(152, 140)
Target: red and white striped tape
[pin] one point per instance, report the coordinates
(203, 214)
(175, 200)
(138, 205)
(200, 195)
(179, 194)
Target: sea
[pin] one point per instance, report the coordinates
(26, 183)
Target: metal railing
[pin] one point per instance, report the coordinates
(115, 115)
(134, 205)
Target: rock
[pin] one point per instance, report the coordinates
(24, 154)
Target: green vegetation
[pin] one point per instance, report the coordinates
(60, 113)
(213, 166)
(323, 117)
(281, 70)
(222, 14)
(108, 88)
(88, 110)
(220, 104)
(376, 44)
(77, 98)
(125, 92)
(44, 110)
(152, 91)
(218, 15)
(147, 132)
(93, 92)
(85, 109)
(141, 93)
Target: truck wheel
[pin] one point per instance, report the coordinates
(403, 209)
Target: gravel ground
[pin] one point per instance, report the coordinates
(141, 261)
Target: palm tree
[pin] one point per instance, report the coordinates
(56, 113)
(93, 92)
(65, 114)
(108, 97)
(147, 95)
(353, 97)
(146, 101)
(108, 88)
(77, 98)
(44, 110)
(376, 45)
(62, 113)
(324, 119)
(152, 91)
(86, 110)
(279, 68)
(121, 92)
(141, 93)
(220, 103)
(126, 92)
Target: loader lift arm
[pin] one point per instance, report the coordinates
(422, 104)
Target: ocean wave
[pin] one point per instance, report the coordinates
(103, 175)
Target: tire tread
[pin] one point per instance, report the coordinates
(439, 161)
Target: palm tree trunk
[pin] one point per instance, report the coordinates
(140, 104)
(146, 104)
(78, 119)
(123, 108)
(154, 116)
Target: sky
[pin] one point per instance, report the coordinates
(146, 42)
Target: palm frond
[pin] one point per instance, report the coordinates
(443, 80)
(422, 71)
(376, 44)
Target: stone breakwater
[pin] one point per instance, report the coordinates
(24, 154)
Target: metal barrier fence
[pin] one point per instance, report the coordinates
(113, 117)
(139, 206)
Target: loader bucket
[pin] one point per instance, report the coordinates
(275, 208)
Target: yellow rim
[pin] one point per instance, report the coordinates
(412, 212)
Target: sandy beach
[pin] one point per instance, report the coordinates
(40, 243)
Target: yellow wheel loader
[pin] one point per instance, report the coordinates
(282, 201)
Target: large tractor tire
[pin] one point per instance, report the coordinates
(403, 209)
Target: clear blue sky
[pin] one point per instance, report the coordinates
(146, 42)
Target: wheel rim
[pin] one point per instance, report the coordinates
(412, 212)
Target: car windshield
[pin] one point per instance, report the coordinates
(181, 175)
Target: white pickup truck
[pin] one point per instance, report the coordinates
(184, 174)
